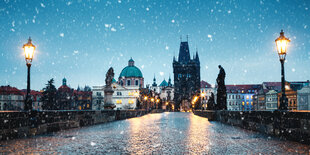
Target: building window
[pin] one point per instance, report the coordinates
(98, 93)
(179, 75)
(128, 82)
(137, 82)
(118, 101)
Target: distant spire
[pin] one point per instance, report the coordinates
(187, 38)
(154, 82)
(169, 81)
(197, 57)
(180, 38)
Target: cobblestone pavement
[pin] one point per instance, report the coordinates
(166, 133)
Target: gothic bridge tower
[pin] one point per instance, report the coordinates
(186, 77)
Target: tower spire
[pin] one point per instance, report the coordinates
(154, 82)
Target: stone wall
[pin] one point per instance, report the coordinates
(22, 124)
(287, 125)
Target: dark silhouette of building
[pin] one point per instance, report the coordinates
(186, 77)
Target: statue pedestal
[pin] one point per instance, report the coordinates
(108, 104)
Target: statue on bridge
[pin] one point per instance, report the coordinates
(221, 100)
(108, 91)
(109, 77)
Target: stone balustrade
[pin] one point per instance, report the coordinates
(290, 125)
(15, 124)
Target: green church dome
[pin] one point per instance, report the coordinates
(131, 70)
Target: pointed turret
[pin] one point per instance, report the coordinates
(197, 57)
(154, 82)
(184, 55)
(169, 82)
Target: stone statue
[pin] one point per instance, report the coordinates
(221, 76)
(221, 99)
(108, 91)
(109, 77)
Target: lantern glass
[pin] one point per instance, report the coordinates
(282, 44)
(29, 49)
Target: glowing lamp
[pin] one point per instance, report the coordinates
(29, 51)
(282, 43)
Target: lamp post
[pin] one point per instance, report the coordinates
(282, 43)
(29, 51)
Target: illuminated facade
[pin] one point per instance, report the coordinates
(241, 97)
(126, 89)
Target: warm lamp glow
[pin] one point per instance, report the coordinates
(203, 94)
(152, 99)
(145, 98)
(157, 100)
(282, 43)
(29, 51)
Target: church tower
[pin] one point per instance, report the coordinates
(186, 77)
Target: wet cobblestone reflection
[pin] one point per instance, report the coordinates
(166, 133)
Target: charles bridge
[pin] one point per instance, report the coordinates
(109, 131)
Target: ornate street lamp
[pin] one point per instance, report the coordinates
(29, 52)
(282, 43)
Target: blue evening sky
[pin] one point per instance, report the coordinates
(81, 39)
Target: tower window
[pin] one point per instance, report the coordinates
(128, 82)
(137, 82)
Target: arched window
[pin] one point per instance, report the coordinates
(137, 82)
(128, 82)
(122, 83)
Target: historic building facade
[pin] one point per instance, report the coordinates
(303, 98)
(11, 98)
(126, 89)
(131, 75)
(186, 78)
(272, 100)
(206, 90)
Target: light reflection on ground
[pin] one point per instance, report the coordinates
(166, 133)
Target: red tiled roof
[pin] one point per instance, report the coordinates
(245, 88)
(6, 90)
(204, 84)
(272, 84)
(64, 88)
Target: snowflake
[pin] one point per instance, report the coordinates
(42, 5)
(113, 29)
(167, 47)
